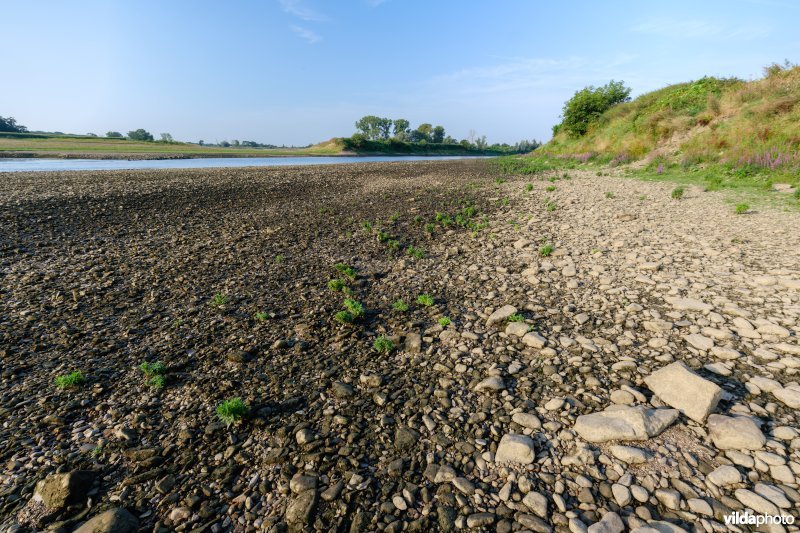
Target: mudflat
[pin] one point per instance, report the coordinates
(417, 346)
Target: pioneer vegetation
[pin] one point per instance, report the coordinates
(598, 336)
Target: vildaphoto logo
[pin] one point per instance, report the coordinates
(749, 519)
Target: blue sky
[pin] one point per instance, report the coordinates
(300, 71)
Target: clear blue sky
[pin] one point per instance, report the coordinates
(300, 71)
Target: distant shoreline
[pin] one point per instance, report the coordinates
(180, 155)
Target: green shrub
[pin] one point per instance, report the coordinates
(415, 252)
(345, 317)
(354, 307)
(741, 209)
(232, 411)
(73, 379)
(345, 270)
(445, 321)
(586, 106)
(154, 373)
(383, 344)
(336, 285)
(425, 300)
(400, 306)
(529, 187)
(550, 188)
(677, 193)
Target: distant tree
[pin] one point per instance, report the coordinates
(401, 126)
(9, 125)
(140, 135)
(225, 144)
(384, 128)
(437, 135)
(426, 130)
(91, 135)
(113, 135)
(235, 142)
(166, 138)
(450, 140)
(481, 143)
(586, 106)
(471, 134)
(201, 142)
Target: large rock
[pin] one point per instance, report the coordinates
(622, 422)
(789, 396)
(500, 315)
(610, 523)
(56, 491)
(112, 521)
(515, 448)
(690, 304)
(300, 509)
(684, 390)
(735, 433)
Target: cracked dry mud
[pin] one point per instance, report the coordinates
(549, 364)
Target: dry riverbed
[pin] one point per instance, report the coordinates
(612, 358)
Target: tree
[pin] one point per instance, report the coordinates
(201, 142)
(113, 135)
(374, 128)
(9, 125)
(166, 138)
(481, 143)
(426, 130)
(401, 126)
(586, 106)
(140, 135)
(438, 134)
(91, 135)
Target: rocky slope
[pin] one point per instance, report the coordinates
(613, 359)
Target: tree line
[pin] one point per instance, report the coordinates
(381, 131)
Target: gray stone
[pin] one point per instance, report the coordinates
(735, 433)
(684, 390)
(624, 423)
(491, 384)
(789, 396)
(724, 475)
(114, 520)
(515, 449)
(610, 523)
(500, 315)
(629, 454)
(300, 509)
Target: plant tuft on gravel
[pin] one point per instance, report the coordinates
(219, 300)
(232, 411)
(545, 250)
(677, 193)
(741, 209)
(73, 379)
(154, 373)
(383, 344)
(400, 306)
(425, 300)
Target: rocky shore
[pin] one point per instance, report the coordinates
(425, 346)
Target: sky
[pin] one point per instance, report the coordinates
(297, 72)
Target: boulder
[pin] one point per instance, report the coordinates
(515, 448)
(735, 433)
(622, 422)
(684, 390)
(114, 520)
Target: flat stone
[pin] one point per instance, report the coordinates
(517, 329)
(515, 448)
(724, 475)
(491, 384)
(537, 503)
(300, 509)
(534, 340)
(684, 390)
(114, 520)
(500, 315)
(701, 342)
(610, 523)
(689, 304)
(789, 396)
(56, 491)
(527, 420)
(478, 520)
(755, 502)
(735, 433)
(624, 423)
(405, 438)
(629, 454)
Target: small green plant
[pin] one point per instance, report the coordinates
(383, 344)
(280, 258)
(345, 317)
(677, 193)
(336, 285)
(154, 373)
(354, 307)
(73, 379)
(393, 245)
(415, 252)
(529, 187)
(418, 219)
(345, 270)
(395, 217)
(232, 411)
(550, 188)
(425, 300)
(400, 306)
(219, 300)
(445, 321)
(177, 323)
(500, 181)
(516, 317)
(609, 194)
(367, 225)
(429, 228)
(383, 236)
(504, 201)
(796, 193)
(545, 250)
(741, 209)
(261, 316)
(550, 206)
(643, 197)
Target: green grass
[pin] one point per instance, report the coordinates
(383, 344)
(425, 300)
(400, 306)
(336, 285)
(73, 379)
(346, 271)
(677, 193)
(550, 188)
(354, 307)
(232, 411)
(345, 317)
(219, 299)
(545, 250)
(550, 206)
(445, 321)
(609, 194)
(415, 252)
(155, 374)
(516, 317)
(529, 187)
(261, 316)
(741, 209)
